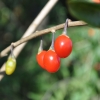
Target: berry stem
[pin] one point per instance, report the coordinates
(65, 27)
(52, 43)
(41, 46)
(12, 48)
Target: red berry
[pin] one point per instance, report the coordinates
(63, 46)
(40, 57)
(51, 61)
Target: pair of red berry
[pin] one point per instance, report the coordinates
(60, 48)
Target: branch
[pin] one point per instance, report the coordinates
(39, 33)
(46, 9)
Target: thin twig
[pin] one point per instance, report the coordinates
(36, 34)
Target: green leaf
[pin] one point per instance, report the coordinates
(86, 11)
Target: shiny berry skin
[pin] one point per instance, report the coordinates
(51, 61)
(63, 46)
(10, 66)
(40, 57)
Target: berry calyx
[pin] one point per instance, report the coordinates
(63, 44)
(40, 55)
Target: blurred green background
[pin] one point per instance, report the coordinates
(78, 77)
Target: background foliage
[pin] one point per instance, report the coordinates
(86, 10)
(78, 77)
